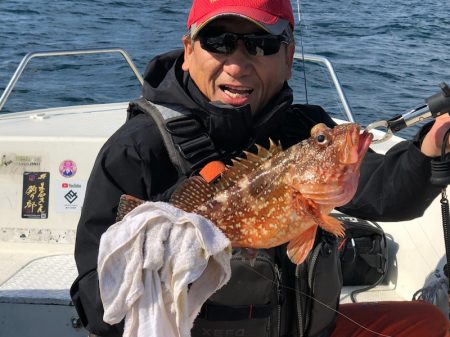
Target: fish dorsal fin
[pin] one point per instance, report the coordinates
(192, 193)
(242, 166)
(195, 191)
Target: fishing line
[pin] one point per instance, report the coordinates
(302, 50)
(320, 302)
(324, 72)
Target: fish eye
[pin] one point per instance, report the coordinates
(322, 139)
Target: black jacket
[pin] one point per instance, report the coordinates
(134, 161)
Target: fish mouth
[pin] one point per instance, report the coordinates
(355, 146)
(365, 139)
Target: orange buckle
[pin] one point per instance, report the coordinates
(212, 170)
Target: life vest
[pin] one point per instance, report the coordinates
(274, 297)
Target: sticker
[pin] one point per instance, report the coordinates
(70, 196)
(12, 163)
(35, 195)
(68, 168)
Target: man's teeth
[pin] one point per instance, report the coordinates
(234, 92)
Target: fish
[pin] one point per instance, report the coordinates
(275, 196)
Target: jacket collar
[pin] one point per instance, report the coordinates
(166, 82)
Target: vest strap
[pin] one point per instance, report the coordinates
(188, 144)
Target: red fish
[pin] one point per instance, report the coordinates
(276, 196)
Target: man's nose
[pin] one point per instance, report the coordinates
(238, 63)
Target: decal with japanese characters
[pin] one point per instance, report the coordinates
(36, 186)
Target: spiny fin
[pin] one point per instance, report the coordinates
(192, 193)
(195, 191)
(299, 247)
(332, 225)
(242, 166)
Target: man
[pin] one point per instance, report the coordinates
(232, 77)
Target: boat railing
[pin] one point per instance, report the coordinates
(322, 60)
(29, 56)
(337, 84)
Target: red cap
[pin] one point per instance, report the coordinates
(271, 15)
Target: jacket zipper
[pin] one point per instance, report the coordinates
(311, 271)
(297, 302)
(312, 264)
(305, 279)
(278, 289)
(301, 279)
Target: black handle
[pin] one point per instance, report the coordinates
(439, 103)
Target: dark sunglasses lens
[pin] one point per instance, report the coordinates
(221, 44)
(262, 45)
(255, 44)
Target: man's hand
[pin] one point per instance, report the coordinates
(432, 142)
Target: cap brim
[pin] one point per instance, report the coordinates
(276, 26)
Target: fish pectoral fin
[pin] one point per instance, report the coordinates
(299, 247)
(326, 222)
(332, 225)
(304, 205)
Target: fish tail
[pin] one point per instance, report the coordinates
(126, 204)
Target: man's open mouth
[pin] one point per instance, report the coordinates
(236, 92)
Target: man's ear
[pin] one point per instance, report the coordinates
(188, 50)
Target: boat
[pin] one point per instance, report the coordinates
(46, 156)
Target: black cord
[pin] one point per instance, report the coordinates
(445, 223)
(441, 177)
(445, 210)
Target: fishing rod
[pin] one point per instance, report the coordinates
(434, 106)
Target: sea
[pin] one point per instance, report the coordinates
(389, 55)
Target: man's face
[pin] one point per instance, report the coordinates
(238, 78)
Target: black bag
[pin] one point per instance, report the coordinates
(363, 253)
(248, 305)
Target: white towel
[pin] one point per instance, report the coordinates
(146, 262)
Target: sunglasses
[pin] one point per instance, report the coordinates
(226, 43)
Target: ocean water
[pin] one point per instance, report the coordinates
(389, 55)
